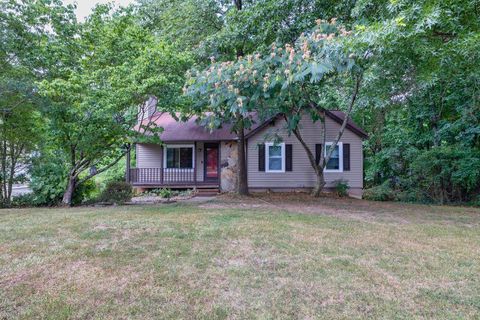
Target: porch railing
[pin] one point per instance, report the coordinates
(162, 176)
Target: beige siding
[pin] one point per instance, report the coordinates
(302, 175)
(149, 155)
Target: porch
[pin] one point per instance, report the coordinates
(176, 165)
(168, 177)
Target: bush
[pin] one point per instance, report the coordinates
(476, 201)
(165, 193)
(447, 174)
(83, 192)
(25, 200)
(341, 187)
(382, 192)
(168, 193)
(412, 195)
(117, 192)
(48, 179)
(48, 184)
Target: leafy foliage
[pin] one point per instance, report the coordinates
(382, 192)
(24, 201)
(48, 176)
(341, 187)
(287, 81)
(83, 81)
(117, 192)
(93, 108)
(446, 174)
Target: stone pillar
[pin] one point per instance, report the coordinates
(228, 166)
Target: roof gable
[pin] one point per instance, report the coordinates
(336, 115)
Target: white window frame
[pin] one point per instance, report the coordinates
(267, 157)
(174, 146)
(340, 157)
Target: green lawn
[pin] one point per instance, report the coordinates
(267, 258)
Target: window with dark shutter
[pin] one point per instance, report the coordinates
(318, 153)
(261, 157)
(346, 157)
(288, 157)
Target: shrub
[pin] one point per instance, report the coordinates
(476, 201)
(48, 179)
(25, 200)
(341, 187)
(382, 192)
(412, 195)
(447, 174)
(117, 192)
(83, 192)
(165, 193)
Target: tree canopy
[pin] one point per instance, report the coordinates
(94, 104)
(410, 67)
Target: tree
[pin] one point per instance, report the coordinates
(219, 96)
(19, 135)
(21, 36)
(230, 29)
(94, 102)
(290, 81)
(421, 92)
(312, 76)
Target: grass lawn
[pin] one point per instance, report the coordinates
(266, 257)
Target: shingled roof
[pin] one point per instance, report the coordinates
(178, 131)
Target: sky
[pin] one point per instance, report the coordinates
(84, 7)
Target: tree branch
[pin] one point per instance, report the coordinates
(345, 120)
(91, 175)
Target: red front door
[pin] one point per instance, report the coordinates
(211, 161)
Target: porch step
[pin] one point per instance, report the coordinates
(207, 192)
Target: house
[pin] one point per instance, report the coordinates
(193, 157)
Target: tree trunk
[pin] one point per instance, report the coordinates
(4, 172)
(14, 156)
(242, 163)
(68, 195)
(239, 47)
(238, 4)
(318, 168)
(319, 184)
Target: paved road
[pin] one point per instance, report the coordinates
(20, 189)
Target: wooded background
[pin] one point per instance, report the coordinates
(70, 90)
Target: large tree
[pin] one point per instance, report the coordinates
(421, 97)
(22, 32)
(94, 102)
(292, 80)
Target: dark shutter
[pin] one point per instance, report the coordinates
(318, 153)
(288, 157)
(346, 157)
(261, 157)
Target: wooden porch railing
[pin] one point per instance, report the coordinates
(162, 176)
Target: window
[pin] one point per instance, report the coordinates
(335, 163)
(275, 157)
(178, 157)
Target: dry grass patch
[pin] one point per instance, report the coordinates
(267, 256)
